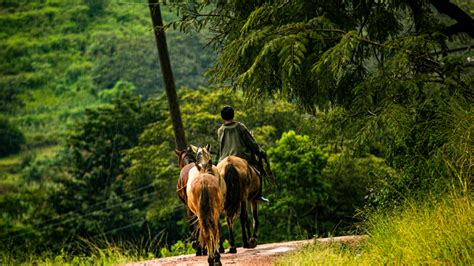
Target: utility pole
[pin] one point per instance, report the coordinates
(167, 73)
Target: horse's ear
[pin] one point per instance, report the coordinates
(208, 147)
(178, 153)
(189, 149)
(194, 148)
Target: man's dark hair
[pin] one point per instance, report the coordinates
(227, 113)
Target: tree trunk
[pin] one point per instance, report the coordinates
(167, 72)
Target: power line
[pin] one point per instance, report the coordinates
(132, 224)
(119, 229)
(94, 205)
(80, 216)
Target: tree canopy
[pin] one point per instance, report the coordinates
(399, 69)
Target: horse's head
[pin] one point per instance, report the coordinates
(185, 157)
(203, 157)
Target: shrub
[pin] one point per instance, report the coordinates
(11, 138)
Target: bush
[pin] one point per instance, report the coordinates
(11, 138)
(297, 164)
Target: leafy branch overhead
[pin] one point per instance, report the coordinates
(319, 53)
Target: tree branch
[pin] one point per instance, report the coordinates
(464, 22)
(453, 50)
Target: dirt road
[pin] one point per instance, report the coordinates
(263, 254)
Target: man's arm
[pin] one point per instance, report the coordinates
(249, 140)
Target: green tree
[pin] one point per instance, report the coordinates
(93, 196)
(399, 70)
(302, 190)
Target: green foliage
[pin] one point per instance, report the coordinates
(88, 196)
(434, 231)
(119, 88)
(353, 182)
(298, 165)
(99, 254)
(72, 51)
(154, 162)
(11, 138)
(179, 248)
(397, 70)
(389, 114)
(318, 193)
(9, 100)
(118, 173)
(96, 7)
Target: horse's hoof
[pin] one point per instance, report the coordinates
(214, 261)
(252, 242)
(233, 250)
(221, 250)
(246, 246)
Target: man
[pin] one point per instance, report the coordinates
(235, 139)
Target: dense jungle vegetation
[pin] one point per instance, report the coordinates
(365, 109)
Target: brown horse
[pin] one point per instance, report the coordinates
(186, 162)
(205, 193)
(243, 184)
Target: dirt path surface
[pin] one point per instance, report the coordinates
(263, 254)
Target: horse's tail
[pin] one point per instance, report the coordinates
(232, 181)
(208, 224)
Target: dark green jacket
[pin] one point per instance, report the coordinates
(235, 139)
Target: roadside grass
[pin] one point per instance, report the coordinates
(436, 231)
(105, 253)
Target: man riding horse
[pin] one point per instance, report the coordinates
(235, 139)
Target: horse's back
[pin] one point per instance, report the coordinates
(249, 179)
(192, 175)
(183, 181)
(200, 181)
(239, 164)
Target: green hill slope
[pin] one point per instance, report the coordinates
(57, 56)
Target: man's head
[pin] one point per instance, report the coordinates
(227, 113)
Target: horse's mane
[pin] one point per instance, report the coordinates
(207, 169)
(189, 155)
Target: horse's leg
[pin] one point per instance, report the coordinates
(200, 251)
(221, 243)
(253, 239)
(214, 260)
(194, 232)
(244, 222)
(233, 248)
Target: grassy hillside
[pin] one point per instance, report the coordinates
(57, 57)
